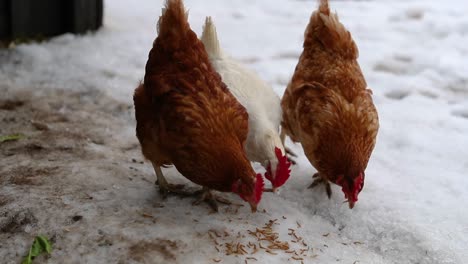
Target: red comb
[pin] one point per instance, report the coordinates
(259, 184)
(358, 184)
(283, 170)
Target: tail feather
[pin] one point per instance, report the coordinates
(326, 28)
(174, 20)
(324, 8)
(210, 39)
(174, 37)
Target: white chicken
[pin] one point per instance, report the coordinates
(263, 144)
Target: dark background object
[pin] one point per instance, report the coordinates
(31, 19)
(85, 15)
(5, 27)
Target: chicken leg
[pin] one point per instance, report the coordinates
(210, 199)
(165, 188)
(205, 194)
(289, 152)
(319, 180)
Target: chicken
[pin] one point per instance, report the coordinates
(328, 108)
(262, 104)
(187, 117)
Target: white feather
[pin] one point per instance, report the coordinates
(261, 102)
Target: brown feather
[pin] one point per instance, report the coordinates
(185, 114)
(327, 106)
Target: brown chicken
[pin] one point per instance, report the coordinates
(187, 117)
(328, 108)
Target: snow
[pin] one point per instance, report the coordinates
(413, 54)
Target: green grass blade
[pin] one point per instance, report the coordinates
(11, 137)
(40, 245)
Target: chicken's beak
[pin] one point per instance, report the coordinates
(351, 204)
(253, 207)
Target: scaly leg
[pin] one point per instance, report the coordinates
(210, 199)
(165, 188)
(319, 180)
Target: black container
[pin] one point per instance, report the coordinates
(26, 19)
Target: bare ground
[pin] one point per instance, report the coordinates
(64, 178)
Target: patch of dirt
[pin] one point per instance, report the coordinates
(26, 175)
(4, 200)
(62, 179)
(14, 222)
(10, 105)
(144, 251)
(59, 122)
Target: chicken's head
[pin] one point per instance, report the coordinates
(351, 187)
(250, 192)
(281, 172)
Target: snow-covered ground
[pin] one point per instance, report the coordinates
(87, 162)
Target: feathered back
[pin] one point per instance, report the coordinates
(326, 28)
(175, 42)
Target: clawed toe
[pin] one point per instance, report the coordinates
(177, 189)
(211, 199)
(290, 152)
(290, 155)
(318, 180)
(293, 162)
(172, 186)
(223, 200)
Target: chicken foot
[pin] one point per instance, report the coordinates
(319, 180)
(165, 188)
(211, 199)
(205, 194)
(289, 153)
